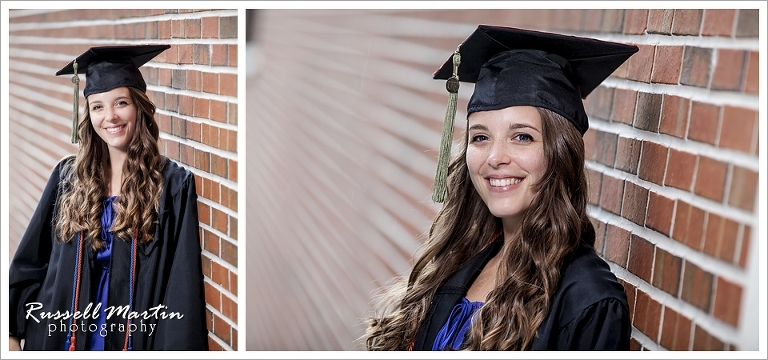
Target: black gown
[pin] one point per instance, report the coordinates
(168, 297)
(588, 310)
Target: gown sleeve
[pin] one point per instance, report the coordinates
(603, 326)
(185, 292)
(31, 260)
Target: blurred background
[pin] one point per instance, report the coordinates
(343, 127)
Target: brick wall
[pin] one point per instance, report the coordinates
(193, 84)
(348, 124)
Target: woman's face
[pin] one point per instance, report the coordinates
(505, 157)
(113, 116)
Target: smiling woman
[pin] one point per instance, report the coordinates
(115, 234)
(510, 261)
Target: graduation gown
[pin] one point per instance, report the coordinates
(168, 297)
(588, 310)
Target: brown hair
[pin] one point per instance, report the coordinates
(80, 205)
(551, 229)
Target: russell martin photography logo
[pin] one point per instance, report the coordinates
(86, 320)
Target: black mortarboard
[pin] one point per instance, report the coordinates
(512, 67)
(109, 67)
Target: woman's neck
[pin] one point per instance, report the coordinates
(115, 176)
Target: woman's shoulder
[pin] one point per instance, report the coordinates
(176, 177)
(586, 276)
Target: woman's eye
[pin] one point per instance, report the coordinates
(122, 103)
(95, 107)
(523, 137)
(477, 138)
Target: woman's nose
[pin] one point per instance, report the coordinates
(498, 155)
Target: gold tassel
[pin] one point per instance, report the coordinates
(440, 190)
(75, 104)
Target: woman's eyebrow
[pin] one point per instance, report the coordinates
(516, 126)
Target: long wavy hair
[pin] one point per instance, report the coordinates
(529, 271)
(80, 205)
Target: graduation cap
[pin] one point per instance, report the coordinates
(109, 67)
(514, 67)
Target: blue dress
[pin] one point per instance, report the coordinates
(452, 334)
(101, 275)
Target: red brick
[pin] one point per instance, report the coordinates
(219, 219)
(624, 102)
(745, 240)
(231, 114)
(233, 193)
(640, 64)
(613, 21)
(689, 225)
(211, 83)
(202, 54)
(221, 329)
(751, 79)
(589, 138)
(232, 55)
(219, 165)
(194, 80)
(231, 140)
(634, 345)
(211, 243)
(674, 115)
(696, 66)
(628, 154)
(210, 27)
(204, 212)
(228, 308)
(202, 107)
(718, 22)
(611, 194)
(748, 23)
(704, 122)
(219, 55)
(721, 237)
(220, 275)
(737, 128)
(697, 286)
(599, 235)
(660, 21)
(635, 203)
(593, 20)
(660, 209)
(187, 155)
(743, 192)
(666, 272)
(594, 181)
(666, 66)
(232, 170)
(186, 54)
(647, 315)
(193, 131)
(729, 69)
(212, 296)
(233, 283)
(635, 21)
(648, 115)
(228, 84)
(630, 290)
(186, 105)
(202, 160)
(192, 30)
(229, 252)
(710, 178)
(218, 111)
(704, 341)
(641, 257)
(680, 169)
(605, 147)
(676, 331)
(206, 265)
(234, 339)
(653, 162)
(598, 103)
(617, 245)
(687, 22)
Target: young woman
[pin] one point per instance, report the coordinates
(111, 257)
(509, 263)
